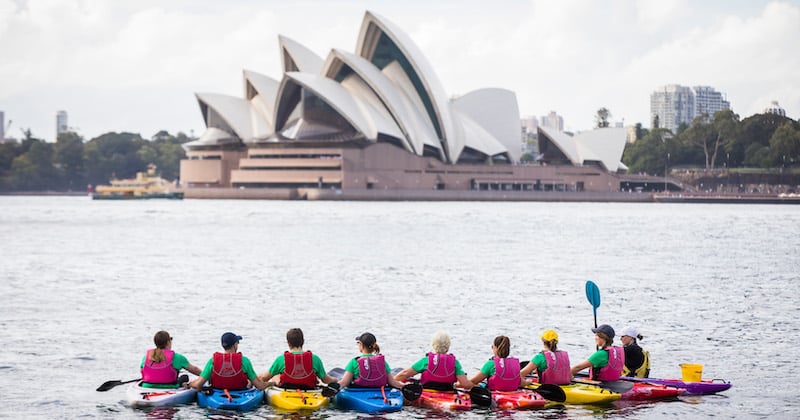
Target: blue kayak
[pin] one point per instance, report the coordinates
(239, 400)
(369, 400)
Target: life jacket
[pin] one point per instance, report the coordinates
(441, 369)
(557, 372)
(506, 374)
(613, 370)
(227, 371)
(643, 371)
(371, 371)
(298, 371)
(161, 372)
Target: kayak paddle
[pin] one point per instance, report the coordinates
(111, 384)
(412, 391)
(480, 396)
(551, 392)
(619, 387)
(330, 389)
(593, 294)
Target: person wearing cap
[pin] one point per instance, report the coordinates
(160, 365)
(440, 369)
(637, 360)
(607, 362)
(229, 369)
(296, 368)
(369, 369)
(502, 373)
(551, 365)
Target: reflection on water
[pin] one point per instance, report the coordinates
(85, 285)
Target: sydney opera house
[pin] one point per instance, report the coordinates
(379, 119)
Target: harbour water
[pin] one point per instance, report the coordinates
(84, 286)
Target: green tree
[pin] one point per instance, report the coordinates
(602, 116)
(33, 170)
(784, 146)
(648, 155)
(69, 160)
(712, 135)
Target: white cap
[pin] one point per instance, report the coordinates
(630, 331)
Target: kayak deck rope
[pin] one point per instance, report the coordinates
(228, 394)
(383, 393)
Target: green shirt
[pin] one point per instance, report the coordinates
(488, 368)
(279, 365)
(247, 368)
(352, 365)
(540, 361)
(422, 365)
(179, 362)
(599, 359)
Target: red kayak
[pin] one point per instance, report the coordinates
(642, 391)
(518, 400)
(443, 400)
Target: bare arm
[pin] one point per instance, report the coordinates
(198, 383)
(464, 382)
(405, 374)
(580, 366)
(266, 376)
(394, 382)
(346, 379)
(193, 369)
(527, 369)
(478, 378)
(328, 379)
(258, 383)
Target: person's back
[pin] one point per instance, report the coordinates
(637, 360)
(296, 368)
(439, 369)
(502, 373)
(229, 369)
(369, 369)
(160, 365)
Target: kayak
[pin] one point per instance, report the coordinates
(692, 388)
(585, 394)
(442, 400)
(517, 399)
(369, 400)
(295, 399)
(158, 397)
(240, 399)
(642, 391)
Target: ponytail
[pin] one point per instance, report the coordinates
(551, 344)
(503, 345)
(161, 340)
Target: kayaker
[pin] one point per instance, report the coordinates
(229, 369)
(439, 368)
(503, 372)
(296, 369)
(160, 365)
(606, 363)
(637, 360)
(551, 365)
(369, 369)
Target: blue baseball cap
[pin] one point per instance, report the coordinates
(229, 339)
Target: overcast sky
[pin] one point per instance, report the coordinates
(134, 65)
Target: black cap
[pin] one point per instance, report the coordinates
(229, 339)
(605, 329)
(367, 339)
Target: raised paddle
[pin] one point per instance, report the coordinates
(111, 384)
(593, 294)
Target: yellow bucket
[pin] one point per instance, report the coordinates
(691, 372)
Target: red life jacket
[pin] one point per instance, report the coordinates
(557, 372)
(371, 371)
(506, 374)
(298, 370)
(441, 368)
(613, 370)
(227, 371)
(161, 372)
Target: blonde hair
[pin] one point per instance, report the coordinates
(440, 342)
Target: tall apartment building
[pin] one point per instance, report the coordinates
(676, 104)
(61, 123)
(553, 120)
(773, 108)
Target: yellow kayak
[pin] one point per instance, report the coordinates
(295, 399)
(585, 394)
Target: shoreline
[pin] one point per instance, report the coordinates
(316, 194)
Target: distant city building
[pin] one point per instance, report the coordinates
(774, 108)
(553, 120)
(676, 104)
(530, 124)
(61, 123)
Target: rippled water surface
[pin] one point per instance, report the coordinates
(84, 286)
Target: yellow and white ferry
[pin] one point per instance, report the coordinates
(146, 185)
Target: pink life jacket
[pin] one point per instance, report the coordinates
(161, 372)
(557, 372)
(371, 371)
(613, 370)
(227, 371)
(298, 370)
(506, 374)
(441, 368)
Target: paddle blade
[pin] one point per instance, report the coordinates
(330, 390)
(111, 384)
(593, 294)
(412, 392)
(551, 392)
(480, 396)
(337, 373)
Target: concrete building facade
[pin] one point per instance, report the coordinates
(674, 105)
